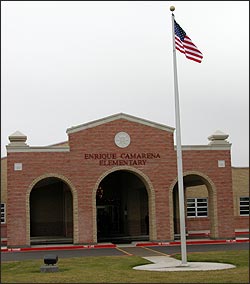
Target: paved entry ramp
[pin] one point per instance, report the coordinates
(140, 251)
(166, 263)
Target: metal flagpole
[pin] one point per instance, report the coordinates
(179, 154)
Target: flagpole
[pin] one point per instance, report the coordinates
(179, 154)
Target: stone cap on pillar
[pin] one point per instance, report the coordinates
(17, 139)
(18, 144)
(218, 138)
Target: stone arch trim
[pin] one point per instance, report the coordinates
(212, 193)
(197, 173)
(150, 191)
(74, 198)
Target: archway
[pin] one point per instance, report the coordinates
(200, 206)
(51, 212)
(122, 209)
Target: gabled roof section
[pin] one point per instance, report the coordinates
(114, 117)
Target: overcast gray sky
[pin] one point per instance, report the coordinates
(66, 63)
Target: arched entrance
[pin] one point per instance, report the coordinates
(51, 212)
(200, 206)
(122, 208)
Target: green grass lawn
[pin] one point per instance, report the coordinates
(118, 269)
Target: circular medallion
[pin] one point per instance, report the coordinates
(122, 139)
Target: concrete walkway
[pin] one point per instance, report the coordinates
(167, 263)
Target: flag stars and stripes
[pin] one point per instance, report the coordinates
(184, 44)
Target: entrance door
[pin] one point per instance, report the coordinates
(122, 208)
(108, 220)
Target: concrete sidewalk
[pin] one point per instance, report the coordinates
(167, 263)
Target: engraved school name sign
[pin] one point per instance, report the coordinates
(123, 159)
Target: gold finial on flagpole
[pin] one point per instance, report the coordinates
(172, 8)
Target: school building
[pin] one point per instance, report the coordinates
(115, 180)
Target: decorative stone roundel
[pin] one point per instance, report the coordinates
(122, 139)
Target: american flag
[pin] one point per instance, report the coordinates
(184, 44)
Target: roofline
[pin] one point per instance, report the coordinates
(28, 149)
(110, 118)
(205, 147)
(58, 144)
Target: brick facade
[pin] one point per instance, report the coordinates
(83, 162)
(240, 179)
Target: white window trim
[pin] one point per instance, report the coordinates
(3, 211)
(245, 205)
(195, 200)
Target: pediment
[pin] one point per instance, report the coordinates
(118, 116)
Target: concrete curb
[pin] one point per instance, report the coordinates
(197, 242)
(47, 248)
(142, 244)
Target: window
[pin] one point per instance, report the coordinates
(2, 213)
(244, 206)
(196, 207)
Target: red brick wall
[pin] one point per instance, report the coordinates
(197, 224)
(84, 173)
(34, 165)
(241, 222)
(143, 139)
(206, 162)
(3, 231)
